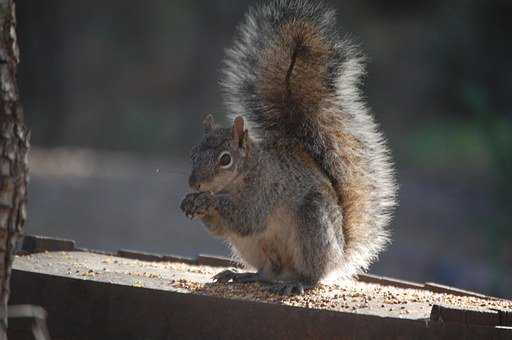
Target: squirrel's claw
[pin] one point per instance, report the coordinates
(288, 288)
(284, 288)
(229, 275)
(224, 276)
(196, 204)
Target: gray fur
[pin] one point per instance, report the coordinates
(285, 205)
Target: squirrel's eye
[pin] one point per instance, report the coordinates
(225, 160)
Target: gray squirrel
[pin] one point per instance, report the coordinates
(301, 185)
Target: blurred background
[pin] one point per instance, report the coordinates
(114, 91)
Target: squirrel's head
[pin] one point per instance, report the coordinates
(219, 159)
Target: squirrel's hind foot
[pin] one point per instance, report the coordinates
(287, 288)
(284, 288)
(229, 275)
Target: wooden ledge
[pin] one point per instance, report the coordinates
(140, 295)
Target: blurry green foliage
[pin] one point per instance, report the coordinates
(496, 131)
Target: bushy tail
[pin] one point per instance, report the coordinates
(295, 80)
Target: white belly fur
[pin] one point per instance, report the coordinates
(275, 248)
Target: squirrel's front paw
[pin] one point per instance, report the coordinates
(197, 204)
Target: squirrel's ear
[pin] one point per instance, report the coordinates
(244, 141)
(238, 130)
(208, 123)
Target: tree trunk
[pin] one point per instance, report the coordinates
(14, 144)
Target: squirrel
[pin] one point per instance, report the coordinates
(301, 185)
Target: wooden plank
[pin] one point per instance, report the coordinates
(446, 314)
(387, 281)
(99, 310)
(484, 318)
(505, 317)
(216, 261)
(470, 317)
(144, 256)
(439, 288)
(37, 244)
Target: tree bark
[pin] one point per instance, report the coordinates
(14, 145)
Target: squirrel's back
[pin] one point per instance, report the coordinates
(297, 81)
